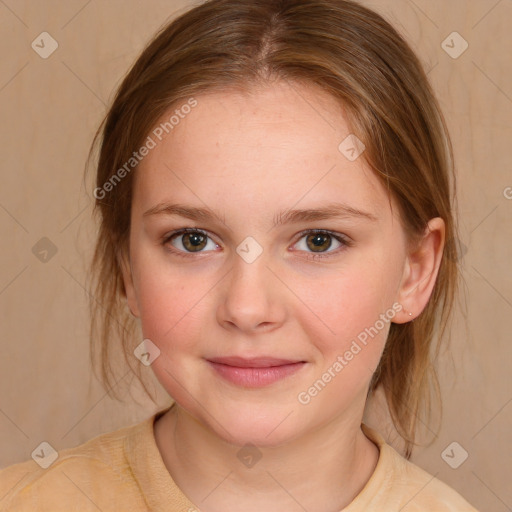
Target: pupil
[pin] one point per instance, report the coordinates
(319, 241)
(196, 239)
(193, 241)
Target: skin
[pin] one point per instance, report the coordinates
(248, 156)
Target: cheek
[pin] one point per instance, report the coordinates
(342, 306)
(351, 320)
(170, 305)
(351, 307)
(172, 317)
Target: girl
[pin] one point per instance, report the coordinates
(274, 193)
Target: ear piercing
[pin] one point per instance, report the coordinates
(408, 312)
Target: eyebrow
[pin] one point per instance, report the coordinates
(331, 211)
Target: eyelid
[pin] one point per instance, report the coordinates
(169, 236)
(340, 237)
(334, 234)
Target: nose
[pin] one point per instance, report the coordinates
(252, 299)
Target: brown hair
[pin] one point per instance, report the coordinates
(359, 59)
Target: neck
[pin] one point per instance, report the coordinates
(335, 460)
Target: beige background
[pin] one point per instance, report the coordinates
(50, 109)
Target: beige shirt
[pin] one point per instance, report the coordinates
(124, 471)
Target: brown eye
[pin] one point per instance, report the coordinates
(318, 242)
(191, 240)
(194, 241)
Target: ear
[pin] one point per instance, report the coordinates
(420, 271)
(126, 269)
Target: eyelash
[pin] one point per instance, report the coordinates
(311, 255)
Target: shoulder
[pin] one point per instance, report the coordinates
(424, 491)
(408, 487)
(77, 479)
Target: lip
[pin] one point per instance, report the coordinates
(254, 372)
(252, 362)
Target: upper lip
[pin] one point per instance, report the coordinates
(253, 362)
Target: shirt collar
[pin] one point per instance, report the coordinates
(163, 495)
(155, 482)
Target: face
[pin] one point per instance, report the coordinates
(253, 278)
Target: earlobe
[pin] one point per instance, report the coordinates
(126, 270)
(421, 270)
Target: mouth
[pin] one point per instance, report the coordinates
(253, 362)
(254, 372)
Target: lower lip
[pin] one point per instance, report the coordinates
(255, 377)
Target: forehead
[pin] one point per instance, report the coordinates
(273, 145)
